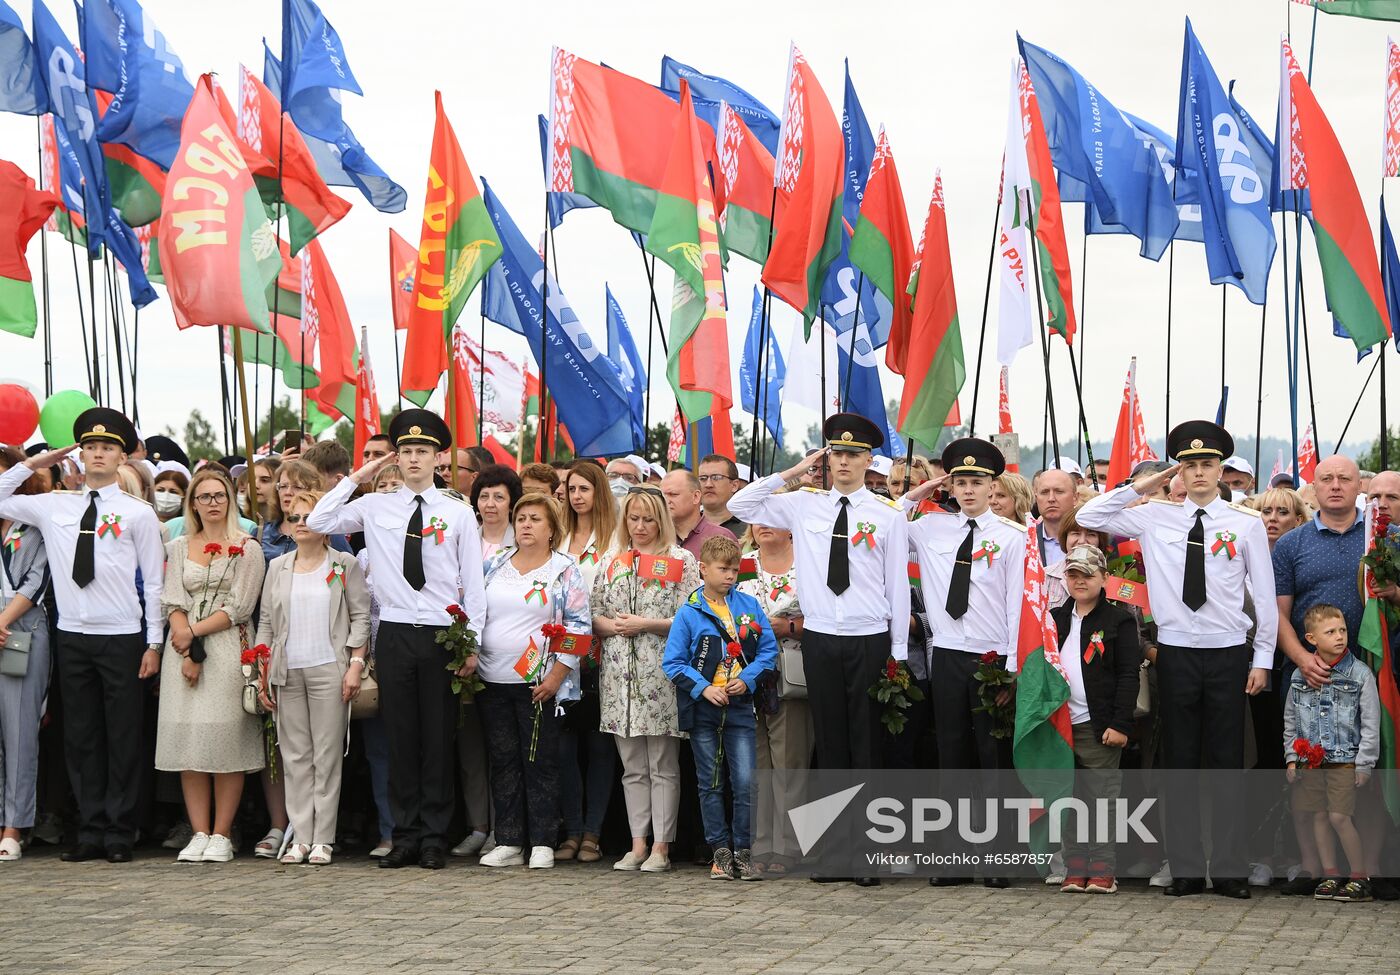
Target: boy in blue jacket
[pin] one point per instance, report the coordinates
(719, 646)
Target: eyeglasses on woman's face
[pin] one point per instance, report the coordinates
(217, 497)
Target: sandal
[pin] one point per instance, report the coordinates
(296, 853)
(590, 852)
(269, 845)
(567, 850)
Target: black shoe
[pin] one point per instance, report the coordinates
(1304, 885)
(84, 852)
(1185, 886)
(1383, 889)
(432, 858)
(867, 881)
(996, 883)
(119, 853)
(822, 879)
(1232, 887)
(397, 857)
(948, 881)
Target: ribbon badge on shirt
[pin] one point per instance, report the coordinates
(988, 551)
(111, 524)
(536, 593)
(748, 625)
(436, 530)
(12, 543)
(337, 574)
(1224, 542)
(865, 535)
(779, 586)
(1095, 647)
(589, 556)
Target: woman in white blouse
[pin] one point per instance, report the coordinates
(494, 495)
(528, 676)
(315, 620)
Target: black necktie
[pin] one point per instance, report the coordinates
(838, 566)
(83, 560)
(413, 547)
(1193, 583)
(956, 603)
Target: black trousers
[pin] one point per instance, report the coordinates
(524, 791)
(1201, 691)
(420, 721)
(99, 677)
(964, 736)
(845, 719)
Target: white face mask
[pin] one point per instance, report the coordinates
(168, 502)
(619, 487)
(242, 502)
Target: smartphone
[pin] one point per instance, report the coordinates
(291, 440)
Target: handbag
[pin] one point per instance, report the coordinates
(792, 677)
(14, 656)
(366, 703)
(252, 679)
(1143, 705)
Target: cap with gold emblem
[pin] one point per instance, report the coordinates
(973, 456)
(851, 432)
(102, 424)
(422, 427)
(1199, 438)
(161, 448)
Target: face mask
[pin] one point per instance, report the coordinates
(167, 502)
(242, 501)
(619, 487)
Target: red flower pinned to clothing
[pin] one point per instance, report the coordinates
(455, 612)
(990, 657)
(213, 548)
(733, 649)
(234, 551)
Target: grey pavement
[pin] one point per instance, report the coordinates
(254, 916)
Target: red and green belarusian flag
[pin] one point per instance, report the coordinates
(218, 250)
(367, 415)
(403, 265)
(610, 138)
(23, 210)
(684, 232)
(1042, 746)
(1370, 9)
(461, 403)
(136, 184)
(310, 206)
(931, 361)
(1346, 247)
(810, 168)
(882, 247)
(325, 321)
(286, 348)
(457, 244)
(1374, 640)
(745, 175)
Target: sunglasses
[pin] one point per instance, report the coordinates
(654, 492)
(295, 519)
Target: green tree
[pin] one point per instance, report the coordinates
(200, 440)
(1370, 458)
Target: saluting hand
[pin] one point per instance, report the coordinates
(925, 489)
(1153, 483)
(366, 473)
(800, 468)
(49, 457)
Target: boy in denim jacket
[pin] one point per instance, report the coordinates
(1342, 720)
(720, 644)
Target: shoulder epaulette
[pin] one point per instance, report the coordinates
(65, 491)
(1245, 508)
(454, 496)
(814, 490)
(1175, 504)
(1011, 524)
(137, 497)
(888, 502)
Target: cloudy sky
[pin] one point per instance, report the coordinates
(934, 74)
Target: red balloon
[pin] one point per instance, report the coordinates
(19, 414)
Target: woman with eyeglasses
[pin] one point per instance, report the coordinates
(642, 580)
(588, 756)
(213, 578)
(315, 619)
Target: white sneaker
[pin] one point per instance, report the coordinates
(541, 858)
(470, 846)
(504, 856)
(1261, 875)
(194, 849)
(1163, 877)
(1057, 869)
(656, 863)
(219, 849)
(631, 861)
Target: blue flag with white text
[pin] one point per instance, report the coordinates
(774, 373)
(584, 385)
(1215, 159)
(622, 350)
(129, 57)
(708, 91)
(1093, 144)
(21, 79)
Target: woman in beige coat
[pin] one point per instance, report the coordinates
(315, 621)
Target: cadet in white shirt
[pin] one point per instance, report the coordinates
(97, 539)
(1201, 557)
(426, 552)
(851, 549)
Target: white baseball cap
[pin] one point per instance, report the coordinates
(745, 472)
(1239, 465)
(882, 465)
(1068, 466)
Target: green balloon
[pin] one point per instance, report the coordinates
(60, 412)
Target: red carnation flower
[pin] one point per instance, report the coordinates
(249, 657)
(891, 670)
(990, 657)
(732, 648)
(213, 548)
(455, 612)
(263, 651)
(553, 631)
(234, 551)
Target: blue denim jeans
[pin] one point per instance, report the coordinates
(739, 755)
(584, 795)
(377, 755)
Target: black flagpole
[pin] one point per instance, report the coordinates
(1223, 298)
(82, 325)
(1259, 401)
(1083, 302)
(1045, 348)
(982, 334)
(542, 427)
(1171, 272)
(763, 331)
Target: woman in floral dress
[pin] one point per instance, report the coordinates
(642, 580)
(213, 576)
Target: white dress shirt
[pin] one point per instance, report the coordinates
(107, 605)
(878, 597)
(451, 567)
(1073, 665)
(997, 583)
(1161, 527)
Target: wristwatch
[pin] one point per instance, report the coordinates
(364, 664)
(154, 648)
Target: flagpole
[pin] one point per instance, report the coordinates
(543, 440)
(1259, 401)
(1386, 286)
(1083, 421)
(481, 387)
(982, 335)
(82, 325)
(109, 277)
(1223, 297)
(1352, 414)
(1083, 301)
(452, 393)
(763, 330)
(223, 386)
(44, 266)
(243, 391)
(1045, 350)
(398, 369)
(851, 352)
(1171, 272)
(96, 339)
(1307, 346)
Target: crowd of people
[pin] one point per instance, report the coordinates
(420, 646)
